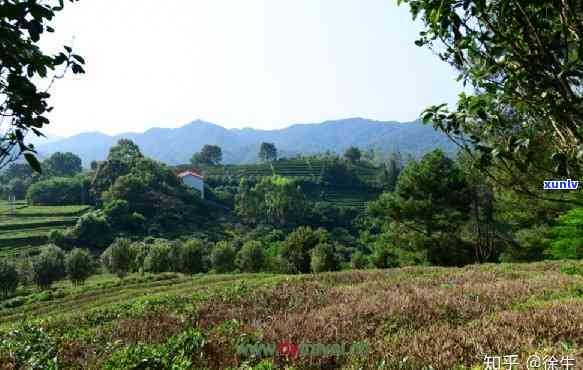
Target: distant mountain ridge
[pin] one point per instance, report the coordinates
(176, 145)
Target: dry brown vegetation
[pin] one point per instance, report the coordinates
(411, 318)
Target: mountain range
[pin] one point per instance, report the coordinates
(177, 145)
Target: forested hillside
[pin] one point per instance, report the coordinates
(241, 145)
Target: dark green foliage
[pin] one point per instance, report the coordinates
(191, 259)
(118, 258)
(125, 151)
(382, 256)
(48, 267)
(8, 278)
(210, 155)
(223, 257)
(323, 258)
(17, 188)
(251, 257)
(162, 257)
(358, 261)
(275, 200)
(295, 251)
(428, 208)
(523, 61)
(24, 107)
(352, 154)
(531, 245)
(62, 165)
(117, 213)
(153, 190)
(92, 230)
(59, 191)
(80, 266)
(268, 152)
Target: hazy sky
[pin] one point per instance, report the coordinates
(252, 63)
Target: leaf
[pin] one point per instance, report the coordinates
(69, 50)
(33, 162)
(79, 59)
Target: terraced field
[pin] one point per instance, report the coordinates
(24, 227)
(307, 168)
(409, 318)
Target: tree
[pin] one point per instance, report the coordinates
(296, 249)
(8, 278)
(17, 188)
(430, 204)
(91, 230)
(23, 64)
(59, 191)
(210, 155)
(79, 266)
(323, 258)
(192, 257)
(62, 164)
(223, 257)
(117, 258)
(275, 200)
(352, 154)
(160, 258)
(524, 62)
(358, 261)
(251, 257)
(268, 152)
(48, 267)
(124, 151)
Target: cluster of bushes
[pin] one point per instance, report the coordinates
(60, 191)
(50, 265)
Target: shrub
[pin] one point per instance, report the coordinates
(117, 259)
(59, 190)
(251, 257)
(223, 257)
(137, 356)
(92, 230)
(358, 261)
(323, 258)
(79, 266)
(8, 278)
(117, 213)
(191, 259)
(48, 267)
(160, 258)
(567, 236)
(61, 239)
(295, 251)
(382, 257)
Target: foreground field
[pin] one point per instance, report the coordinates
(409, 318)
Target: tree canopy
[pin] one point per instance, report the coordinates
(210, 155)
(23, 66)
(268, 152)
(523, 60)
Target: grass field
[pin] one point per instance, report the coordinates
(409, 318)
(27, 227)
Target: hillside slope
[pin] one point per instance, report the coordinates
(176, 145)
(407, 318)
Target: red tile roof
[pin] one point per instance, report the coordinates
(189, 173)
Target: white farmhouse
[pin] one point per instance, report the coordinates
(194, 180)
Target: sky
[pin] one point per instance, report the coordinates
(265, 64)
